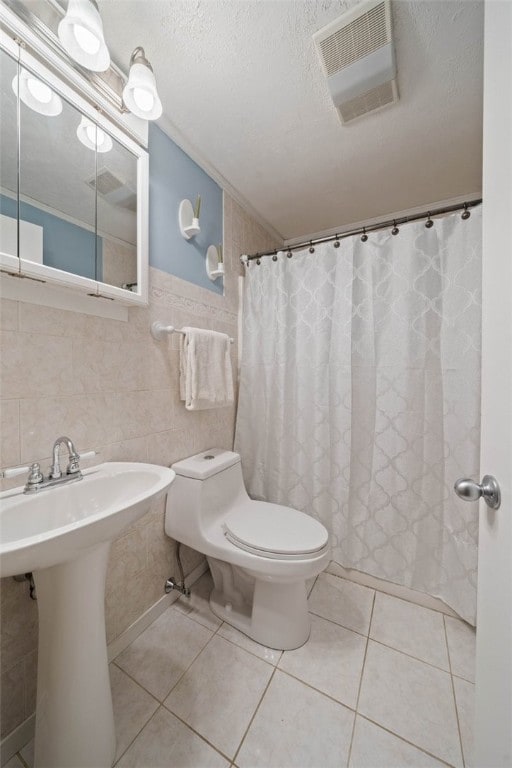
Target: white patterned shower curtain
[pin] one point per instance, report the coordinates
(360, 398)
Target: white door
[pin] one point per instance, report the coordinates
(493, 722)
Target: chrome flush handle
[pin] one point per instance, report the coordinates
(488, 489)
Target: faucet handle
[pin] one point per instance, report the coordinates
(35, 476)
(74, 465)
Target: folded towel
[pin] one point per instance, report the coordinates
(206, 380)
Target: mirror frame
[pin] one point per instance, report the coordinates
(14, 45)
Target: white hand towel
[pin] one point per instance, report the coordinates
(206, 379)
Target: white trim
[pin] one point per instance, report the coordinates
(59, 297)
(60, 277)
(396, 590)
(19, 738)
(191, 150)
(143, 622)
(385, 217)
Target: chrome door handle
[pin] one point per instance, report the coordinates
(488, 489)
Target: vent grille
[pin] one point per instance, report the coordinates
(375, 99)
(356, 39)
(115, 191)
(105, 182)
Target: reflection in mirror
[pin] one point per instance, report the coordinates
(117, 213)
(68, 185)
(57, 184)
(8, 157)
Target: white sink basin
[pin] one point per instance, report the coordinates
(54, 525)
(63, 535)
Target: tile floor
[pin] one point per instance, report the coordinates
(382, 683)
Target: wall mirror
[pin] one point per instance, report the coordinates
(73, 186)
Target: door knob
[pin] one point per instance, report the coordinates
(488, 489)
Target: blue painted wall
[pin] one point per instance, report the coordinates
(65, 246)
(173, 177)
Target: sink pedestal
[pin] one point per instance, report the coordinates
(74, 716)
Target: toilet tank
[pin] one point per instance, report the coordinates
(206, 487)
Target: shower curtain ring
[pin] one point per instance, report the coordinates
(429, 223)
(364, 236)
(258, 261)
(274, 257)
(466, 214)
(395, 229)
(337, 242)
(289, 254)
(311, 249)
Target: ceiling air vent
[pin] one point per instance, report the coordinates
(113, 189)
(358, 57)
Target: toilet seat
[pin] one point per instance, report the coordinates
(274, 531)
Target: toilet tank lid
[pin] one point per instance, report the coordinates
(206, 463)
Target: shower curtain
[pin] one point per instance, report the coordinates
(360, 398)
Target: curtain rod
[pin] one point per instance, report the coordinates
(245, 259)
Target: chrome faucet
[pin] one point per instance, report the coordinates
(36, 480)
(73, 466)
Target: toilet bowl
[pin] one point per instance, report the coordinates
(259, 554)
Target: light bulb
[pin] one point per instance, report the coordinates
(91, 133)
(86, 40)
(36, 94)
(95, 135)
(39, 90)
(92, 136)
(81, 33)
(140, 94)
(143, 99)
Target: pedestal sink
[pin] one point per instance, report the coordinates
(63, 536)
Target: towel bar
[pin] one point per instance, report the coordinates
(159, 331)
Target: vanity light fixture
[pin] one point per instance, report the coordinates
(92, 136)
(36, 94)
(140, 94)
(81, 34)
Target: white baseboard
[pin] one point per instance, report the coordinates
(396, 590)
(21, 735)
(139, 625)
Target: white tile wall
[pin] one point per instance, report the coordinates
(110, 387)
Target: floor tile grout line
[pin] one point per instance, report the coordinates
(138, 732)
(178, 680)
(454, 696)
(136, 682)
(317, 690)
(233, 759)
(409, 655)
(391, 647)
(349, 756)
(197, 733)
(397, 597)
(22, 759)
(270, 663)
(406, 741)
(343, 626)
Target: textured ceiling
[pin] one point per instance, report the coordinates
(242, 86)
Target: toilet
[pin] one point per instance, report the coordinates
(259, 554)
